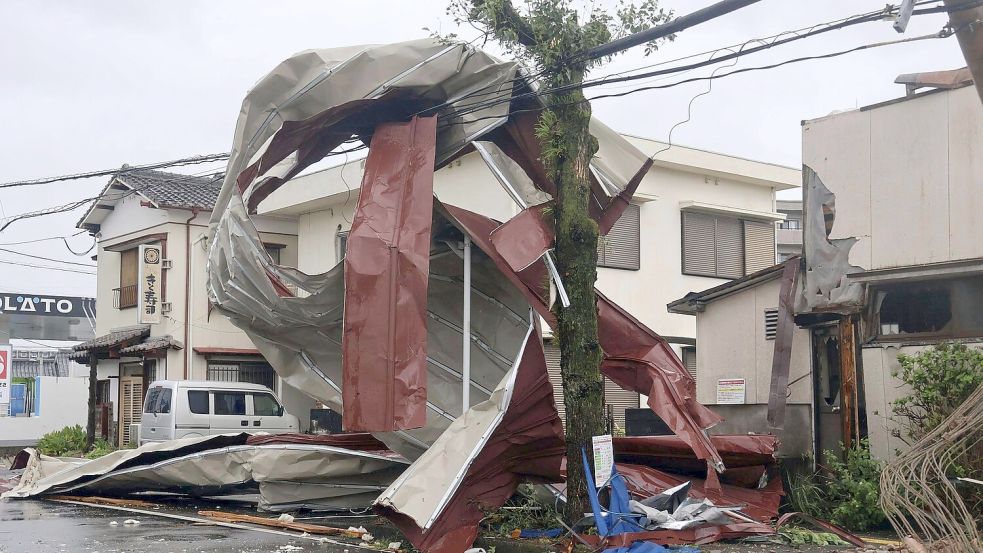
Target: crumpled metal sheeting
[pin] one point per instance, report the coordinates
(636, 358)
(384, 344)
(747, 457)
(827, 261)
(51, 475)
(759, 504)
(478, 462)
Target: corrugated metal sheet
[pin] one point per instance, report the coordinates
(729, 241)
(620, 248)
(698, 244)
(553, 368)
(759, 246)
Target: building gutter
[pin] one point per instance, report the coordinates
(187, 292)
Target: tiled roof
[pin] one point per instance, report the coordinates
(153, 343)
(174, 190)
(114, 338)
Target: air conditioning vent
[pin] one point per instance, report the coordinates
(166, 307)
(771, 324)
(167, 264)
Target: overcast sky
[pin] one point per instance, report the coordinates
(93, 85)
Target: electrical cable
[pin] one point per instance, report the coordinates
(193, 160)
(42, 258)
(66, 270)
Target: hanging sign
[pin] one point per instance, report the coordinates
(6, 360)
(603, 459)
(149, 278)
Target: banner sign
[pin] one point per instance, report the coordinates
(149, 281)
(731, 391)
(12, 303)
(603, 459)
(6, 368)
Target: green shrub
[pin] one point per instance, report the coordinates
(100, 448)
(845, 493)
(60, 443)
(940, 378)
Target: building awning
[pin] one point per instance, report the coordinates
(118, 337)
(210, 351)
(152, 344)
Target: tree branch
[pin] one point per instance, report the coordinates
(503, 16)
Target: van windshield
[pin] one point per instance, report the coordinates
(152, 395)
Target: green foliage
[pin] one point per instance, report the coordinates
(845, 493)
(60, 443)
(100, 448)
(796, 535)
(520, 512)
(940, 378)
(70, 442)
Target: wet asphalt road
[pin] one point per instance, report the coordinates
(49, 527)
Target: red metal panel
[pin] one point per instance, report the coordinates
(526, 446)
(523, 239)
(384, 345)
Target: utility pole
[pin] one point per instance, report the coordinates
(661, 31)
(969, 25)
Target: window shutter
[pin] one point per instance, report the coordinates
(771, 324)
(698, 244)
(128, 268)
(759, 246)
(729, 240)
(619, 400)
(620, 248)
(689, 360)
(553, 368)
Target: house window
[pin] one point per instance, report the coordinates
(342, 245)
(771, 324)
(790, 224)
(725, 247)
(241, 371)
(689, 360)
(945, 308)
(273, 250)
(126, 295)
(619, 249)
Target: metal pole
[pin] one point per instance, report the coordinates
(969, 21)
(466, 330)
(661, 31)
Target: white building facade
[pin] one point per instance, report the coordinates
(190, 341)
(697, 220)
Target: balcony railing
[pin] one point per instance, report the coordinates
(125, 296)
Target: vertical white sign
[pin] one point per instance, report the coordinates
(603, 459)
(6, 368)
(149, 279)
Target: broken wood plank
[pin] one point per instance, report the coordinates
(96, 500)
(276, 523)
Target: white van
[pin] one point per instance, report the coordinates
(185, 408)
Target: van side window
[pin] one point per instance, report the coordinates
(151, 402)
(198, 401)
(164, 405)
(230, 403)
(265, 405)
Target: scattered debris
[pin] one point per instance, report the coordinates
(288, 525)
(131, 522)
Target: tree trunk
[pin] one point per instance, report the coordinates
(90, 426)
(568, 156)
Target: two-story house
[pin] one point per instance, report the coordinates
(186, 340)
(698, 219)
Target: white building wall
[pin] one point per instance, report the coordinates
(324, 203)
(906, 176)
(62, 403)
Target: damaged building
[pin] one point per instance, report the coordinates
(892, 263)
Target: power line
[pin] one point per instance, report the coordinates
(42, 258)
(64, 240)
(63, 269)
(193, 160)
